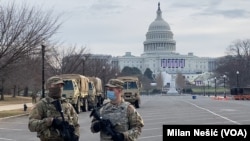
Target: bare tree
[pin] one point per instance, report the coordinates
(22, 29)
(180, 81)
(66, 59)
(237, 59)
(146, 84)
(239, 48)
(95, 67)
(160, 81)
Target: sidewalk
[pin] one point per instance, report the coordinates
(14, 106)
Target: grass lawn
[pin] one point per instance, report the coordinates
(14, 100)
(210, 90)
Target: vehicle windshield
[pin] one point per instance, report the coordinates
(130, 85)
(68, 85)
(90, 86)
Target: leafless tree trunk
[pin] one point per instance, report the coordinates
(180, 81)
(67, 59)
(238, 59)
(159, 81)
(22, 30)
(146, 84)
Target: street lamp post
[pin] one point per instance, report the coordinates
(43, 80)
(1, 89)
(224, 80)
(204, 88)
(237, 81)
(215, 93)
(208, 88)
(103, 80)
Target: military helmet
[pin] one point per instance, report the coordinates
(55, 80)
(115, 83)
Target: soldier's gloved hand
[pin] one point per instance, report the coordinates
(57, 123)
(106, 123)
(118, 137)
(97, 126)
(76, 138)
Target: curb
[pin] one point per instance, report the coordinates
(26, 114)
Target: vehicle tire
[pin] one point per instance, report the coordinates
(96, 102)
(99, 101)
(78, 107)
(74, 105)
(85, 105)
(90, 107)
(137, 104)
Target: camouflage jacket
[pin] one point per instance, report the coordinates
(43, 111)
(125, 119)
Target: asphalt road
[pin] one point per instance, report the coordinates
(156, 111)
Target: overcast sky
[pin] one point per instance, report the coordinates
(113, 27)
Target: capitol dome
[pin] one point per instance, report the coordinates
(159, 24)
(159, 38)
(160, 56)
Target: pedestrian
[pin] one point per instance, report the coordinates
(51, 123)
(121, 116)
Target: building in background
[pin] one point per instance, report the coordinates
(160, 54)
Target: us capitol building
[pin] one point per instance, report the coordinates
(160, 53)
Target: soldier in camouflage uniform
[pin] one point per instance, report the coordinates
(126, 121)
(46, 120)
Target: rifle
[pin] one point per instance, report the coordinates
(67, 131)
(107, 125)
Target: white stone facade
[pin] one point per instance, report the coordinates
(160, 53)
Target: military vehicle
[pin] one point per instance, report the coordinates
(91, 94)
(131, 89)
(95, 89)
(76, 89)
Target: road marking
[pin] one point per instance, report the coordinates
(151, 129)
(146, 137)
(213, 113)
(5, 139)
(13, 122)
(12, 129)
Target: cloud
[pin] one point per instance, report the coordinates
(195, 4)
(226, 8)
(233, 13)
(205, 27)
